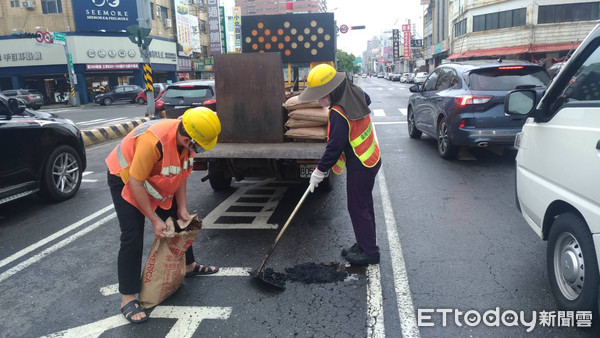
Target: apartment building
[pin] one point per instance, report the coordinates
(98, 41)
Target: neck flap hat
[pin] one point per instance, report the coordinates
(324, 79)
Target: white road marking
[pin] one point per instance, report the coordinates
(188, 320)
(406, 310)
(378, 112)
(390, 122)
(85, 173)
(10, 272)
(375, 323)
(260, 218)
(223, 272)
(48, 239)
(101, 121)
(402, 111)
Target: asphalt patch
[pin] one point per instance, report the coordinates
(306, 273)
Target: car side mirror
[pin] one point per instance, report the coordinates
(15, 106)
(414, 89)
(519, 102)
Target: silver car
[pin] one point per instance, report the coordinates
(420, 77)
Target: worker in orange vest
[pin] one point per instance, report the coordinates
(351, 143)
(147, 173)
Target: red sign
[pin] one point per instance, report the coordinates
(406, 28)
(47, 37)
(39, 36)
(343, 29)
(406, 44)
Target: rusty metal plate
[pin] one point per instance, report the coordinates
(250, 94)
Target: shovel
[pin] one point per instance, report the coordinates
(258, 273)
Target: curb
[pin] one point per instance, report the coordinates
(97, 135)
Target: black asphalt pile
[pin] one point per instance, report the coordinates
(276, 278)
(309, 273)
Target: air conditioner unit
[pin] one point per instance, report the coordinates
(28, 4)
(168, 23)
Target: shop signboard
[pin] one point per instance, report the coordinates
(104, 15)
(195, 34)
(214, 33)
(222, 26)
(184, 37)
(237, 28)
(396, 43)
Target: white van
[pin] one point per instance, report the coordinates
(558, 174)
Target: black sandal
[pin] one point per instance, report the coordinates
(206, 269)
(132, 308)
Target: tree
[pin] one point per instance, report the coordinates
(345, 61)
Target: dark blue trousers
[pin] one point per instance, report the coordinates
(359, 189)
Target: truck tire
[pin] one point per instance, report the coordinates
(572, 265)
(218, 178)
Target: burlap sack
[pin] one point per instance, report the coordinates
(310, 114)
(165, 267)
(295, 123)
(309, 133)
(293, 104)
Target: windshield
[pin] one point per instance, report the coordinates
(507, 78)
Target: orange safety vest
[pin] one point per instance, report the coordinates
(160, 187)
(362, 139)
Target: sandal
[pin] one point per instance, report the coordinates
(202, 269)
(132, 308)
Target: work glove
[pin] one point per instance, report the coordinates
(316, 178)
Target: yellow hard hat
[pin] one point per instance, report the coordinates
(203, 125)
(321, 80)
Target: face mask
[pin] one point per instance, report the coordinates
(195, 147)
(325, 102)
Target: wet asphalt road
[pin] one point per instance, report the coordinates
(464, 246)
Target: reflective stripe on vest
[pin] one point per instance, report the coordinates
(364, 144)
(154, 193)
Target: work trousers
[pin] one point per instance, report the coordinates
(359, 190)
(131, 221)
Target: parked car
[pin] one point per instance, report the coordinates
(32, 98)
(159, 88)
(462, 104)
(420, 77)
(42, 153)
(395, 76)
(180, 96)
(558, 174)
(127, 93)
(410, 78)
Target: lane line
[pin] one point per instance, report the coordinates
(10, 272)
(391, 122)
(375, 323)
(48, 239)
(406, 310)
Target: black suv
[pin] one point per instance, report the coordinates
(41, 153)
(119, 93)
(462, 103)
(183, 95)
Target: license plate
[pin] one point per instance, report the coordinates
(307, 169)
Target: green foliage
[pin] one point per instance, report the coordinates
(345, 61)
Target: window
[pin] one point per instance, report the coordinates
(202, 26)
(507, 79)
(448, 79)
(460, 28)
(14, 3)
(51, 6)
(152, 11)
(504, 19)
(569, 12)
(585, 84)
(431, 80)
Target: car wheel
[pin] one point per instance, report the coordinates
(413, 132)
(62, 174)
(217, 176)
(141, 100)
(107, 101)
(445, 147)
(572, 264)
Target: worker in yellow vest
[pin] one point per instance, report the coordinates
(147, 173)
(351, 144)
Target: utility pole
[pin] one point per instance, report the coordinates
(139, 36)
(61, 39)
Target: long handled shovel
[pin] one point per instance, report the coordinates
(258, 273)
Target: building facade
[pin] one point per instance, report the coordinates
(100, 50)
(262, 7)
(541, 31)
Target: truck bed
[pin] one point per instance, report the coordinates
(283, 150)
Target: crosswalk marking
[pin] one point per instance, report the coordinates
(86, 173)
(378, 112)
(103, 121)
(402, 111)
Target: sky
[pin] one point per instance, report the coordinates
(377, 15)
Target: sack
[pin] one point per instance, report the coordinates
(310, 114)
(295, 123)
(309, 133)
(165, 268)
(293, 104)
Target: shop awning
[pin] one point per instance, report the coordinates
(500, 51)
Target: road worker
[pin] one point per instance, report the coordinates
(147, 173)
(351, 143)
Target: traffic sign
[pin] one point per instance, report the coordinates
(47, 37)
(343, 29)
(39, 36)
(60, 38)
